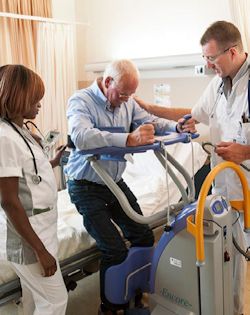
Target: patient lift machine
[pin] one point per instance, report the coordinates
(175, 273)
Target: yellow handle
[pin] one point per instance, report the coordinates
(196, 228)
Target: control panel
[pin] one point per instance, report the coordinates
(215, 214)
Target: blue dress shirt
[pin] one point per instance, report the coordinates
(88, 110)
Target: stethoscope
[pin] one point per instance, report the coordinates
(218, 96)
(204, 146)
(36, 179)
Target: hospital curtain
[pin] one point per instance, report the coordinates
(56, 65)
(18, 37)
(240, 11)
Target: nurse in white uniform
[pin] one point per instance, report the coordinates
(28, 196)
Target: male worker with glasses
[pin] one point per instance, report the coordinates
(108, 103)
(224, 107)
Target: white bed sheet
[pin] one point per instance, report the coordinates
(146, 178)
(148, 181)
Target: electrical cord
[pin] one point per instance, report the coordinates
(237, 219)
(167, 182)
(246, 253)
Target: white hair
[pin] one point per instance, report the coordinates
(120, 68)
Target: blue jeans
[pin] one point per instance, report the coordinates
(98, 206)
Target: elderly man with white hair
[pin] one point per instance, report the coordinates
(108, 103)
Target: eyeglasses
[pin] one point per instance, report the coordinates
(121, 94)
(212, 59)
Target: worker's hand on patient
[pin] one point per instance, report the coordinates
(231, 151)
(47, 262)
(141, 102)
(144, 134)
(186, 125)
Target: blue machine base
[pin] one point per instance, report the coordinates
(123, 280)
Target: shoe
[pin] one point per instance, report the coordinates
(104, 311)
(138, 301)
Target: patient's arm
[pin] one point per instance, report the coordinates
(163, 112)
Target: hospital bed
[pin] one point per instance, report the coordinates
(77, 250)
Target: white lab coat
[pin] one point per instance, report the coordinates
(222, 111)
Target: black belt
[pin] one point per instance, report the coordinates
(87, 182)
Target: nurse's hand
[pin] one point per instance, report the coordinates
(141, 136)
(232, 151)
(47, 262)
(59, 152)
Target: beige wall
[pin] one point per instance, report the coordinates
(137, 29)
(184, 92)
(142, 28)
(64, 10)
